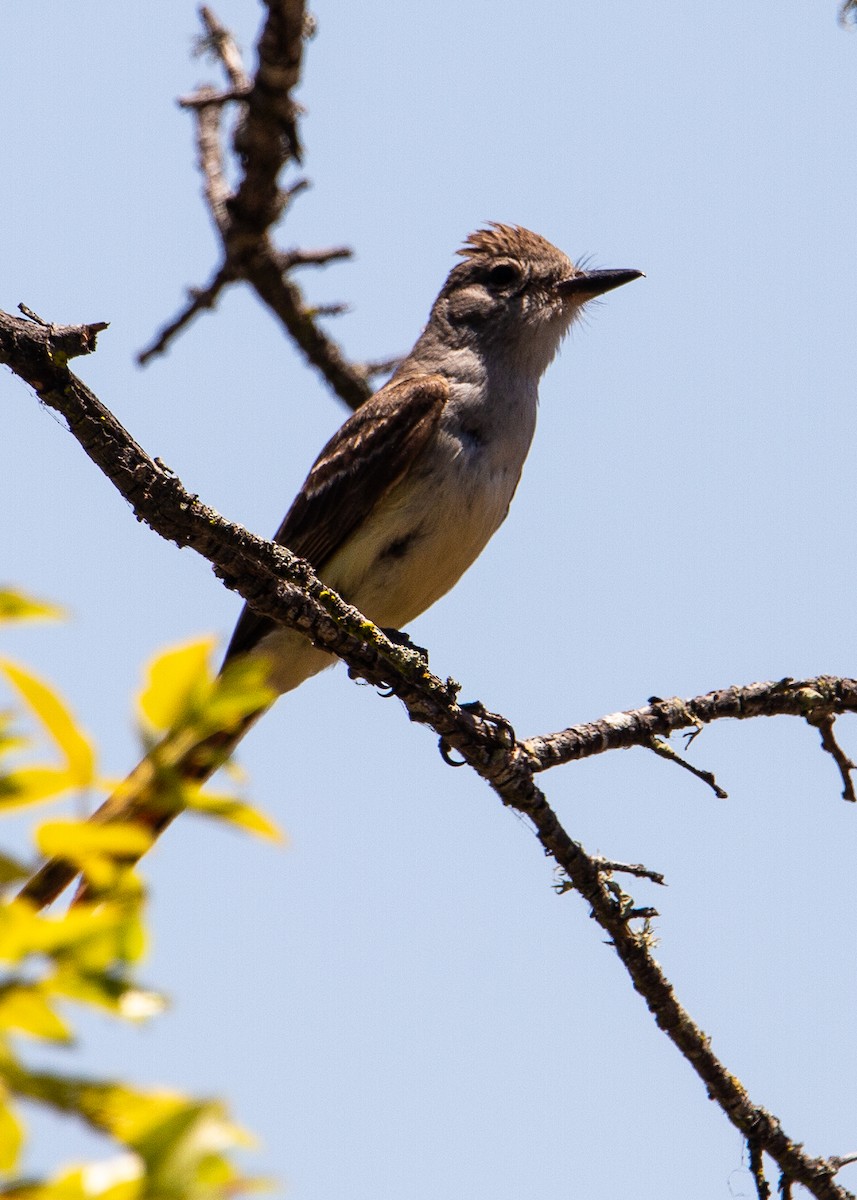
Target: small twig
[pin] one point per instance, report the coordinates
(34, 316)
(664, 750)
(209, 157)
(757, 1170)
(220, 41)
(378, 366)
(294, 189)
(608, 866)
(62, 342)
(838, 1161)
(328, 310)
(288, 259)
(824, 723)
(200, 299)
(206, 96)
(819, 696)
(785, 1187)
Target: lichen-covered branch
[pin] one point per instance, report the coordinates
(282, 586)
(817, 700)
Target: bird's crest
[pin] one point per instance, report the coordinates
(512, 241)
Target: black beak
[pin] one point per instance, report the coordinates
(595, 283)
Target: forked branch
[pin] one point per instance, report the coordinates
(279, 585)
(265, 142)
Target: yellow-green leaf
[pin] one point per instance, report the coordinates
(95, 936)
(11, 1137)
(242, 689)
(24, 1009)
(10, 739)
(105, 853)
(235, 812)
(119, 1178)
(11, 870)
(31, 785)
(105, 990)
(80, 841)
(58, 722)
(17, 606)
(175, 682)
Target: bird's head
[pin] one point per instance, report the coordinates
(517, 295)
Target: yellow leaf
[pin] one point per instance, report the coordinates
(11, 1137)
(119, 1178)
(11, 870)
(54, 715)
(236, 812)
(16, 606)
(242, 689)
(175, 682)
(31, 785)
(96, 936)
(9, 738)
(79, 841)
(24, 1009)
(104, 989)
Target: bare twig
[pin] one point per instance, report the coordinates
(664, 750)
(209, 95)
(279, 585)
(824, 723)
(209, 156)
(757, 1170)
(289, 259)
(336, 309)
(59, 342)
(838, 1161)
(817, 697)
(198, 301)
(219, 41)
(380, 366)
(608, 866)
(265, 141)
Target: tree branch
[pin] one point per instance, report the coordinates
(278, 584)
(265, 141)
(817, 700)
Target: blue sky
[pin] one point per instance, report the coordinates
(398, 1003)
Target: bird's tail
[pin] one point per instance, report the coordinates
(152, 796)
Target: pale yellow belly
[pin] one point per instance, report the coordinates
(412, 550)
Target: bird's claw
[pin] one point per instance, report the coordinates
(504, 728)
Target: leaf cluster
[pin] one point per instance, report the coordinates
(169, 1145)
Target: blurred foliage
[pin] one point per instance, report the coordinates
(170, 1146)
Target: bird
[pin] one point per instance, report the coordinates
(408, 492)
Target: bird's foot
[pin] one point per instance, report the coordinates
(503, 727)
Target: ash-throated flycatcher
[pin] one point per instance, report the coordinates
(406, 495)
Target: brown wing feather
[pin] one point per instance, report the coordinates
(358, 466)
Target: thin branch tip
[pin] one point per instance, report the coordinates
(824, 723)
(664, 750)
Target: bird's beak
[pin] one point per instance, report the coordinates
(595, 283)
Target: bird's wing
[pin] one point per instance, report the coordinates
(359, 465)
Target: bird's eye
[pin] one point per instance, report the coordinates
(503, 275)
